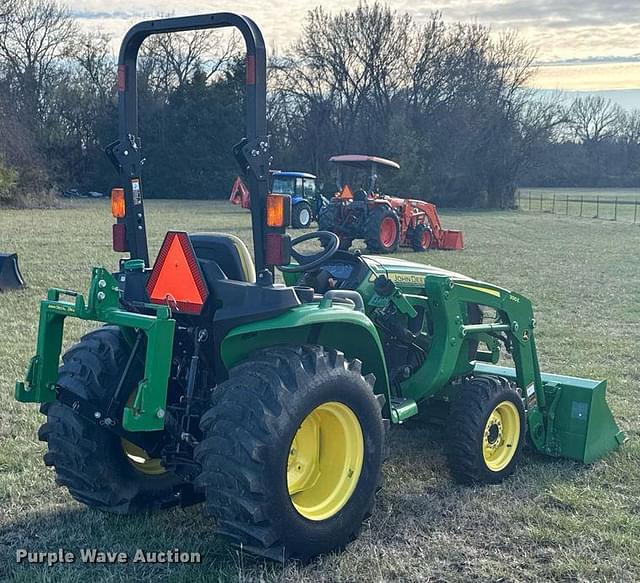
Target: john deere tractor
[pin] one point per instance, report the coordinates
(204, 380)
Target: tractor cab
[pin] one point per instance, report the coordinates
(360, 173)
(298, 185)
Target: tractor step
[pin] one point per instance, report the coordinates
(402, 409)
(10, 276)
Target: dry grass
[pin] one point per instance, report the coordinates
(553, 520)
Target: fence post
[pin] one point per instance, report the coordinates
(566, 210)
(615, 210)
(529, 200)
(635, 212)
(581, 203)
(540, 202)
(597, 206)
(553, 204)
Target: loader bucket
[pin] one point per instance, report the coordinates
(579, 423)
(10, 276)
(452, 240)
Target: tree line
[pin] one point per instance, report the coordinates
(450, 102)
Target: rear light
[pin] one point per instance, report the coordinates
(117, 203)
(278, 210)
(277, 249)
(251, 69)
(120, 238)
(122, 77)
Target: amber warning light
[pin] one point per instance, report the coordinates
(117, 203)
(176, 279)
(278, 210)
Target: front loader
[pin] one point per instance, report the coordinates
(204, 380)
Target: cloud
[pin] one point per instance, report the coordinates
(562, 31)
(596, 60)
(541, 13)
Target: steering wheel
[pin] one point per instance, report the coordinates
(329, 241)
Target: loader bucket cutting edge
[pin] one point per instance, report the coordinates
(580, 425)
(10, 276)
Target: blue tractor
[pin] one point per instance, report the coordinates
(306, 201)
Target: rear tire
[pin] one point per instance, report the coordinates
(328, 217)
(486, 431)
(382, 230)
(256, 444)
(327, 222)
(301, 215)
(88, 459)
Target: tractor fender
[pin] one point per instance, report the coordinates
(329, 325)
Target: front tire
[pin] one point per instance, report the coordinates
(486, 431)
(420, 238)
(99, 468)
(292, 454)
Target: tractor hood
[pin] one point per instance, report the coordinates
(406, 273)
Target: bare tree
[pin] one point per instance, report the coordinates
(630, 127)
(86, 97)
(6, 7)
(426, 62)
(629, 138)
(595, 118)
(344, 73)
(170, 60)
(34, 38)
(92, 57)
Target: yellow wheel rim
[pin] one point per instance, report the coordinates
(501, 436)
(137, 456)
(325, 461)
(141, 460)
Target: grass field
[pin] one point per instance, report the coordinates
(553, 520)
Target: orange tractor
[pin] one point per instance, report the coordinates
(384, 222)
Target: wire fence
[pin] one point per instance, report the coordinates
(605, 207)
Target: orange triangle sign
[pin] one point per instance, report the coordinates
(176, 279)
(346, 192)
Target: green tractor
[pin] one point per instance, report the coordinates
(205, 380)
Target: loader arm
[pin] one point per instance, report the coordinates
(566, 416)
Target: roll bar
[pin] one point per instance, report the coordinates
(253, 151)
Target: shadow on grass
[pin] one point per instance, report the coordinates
(73, 528)
(418, 476)
(418, 507)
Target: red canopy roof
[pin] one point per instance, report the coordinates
(360, 160)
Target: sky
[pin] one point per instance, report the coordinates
(582, 45)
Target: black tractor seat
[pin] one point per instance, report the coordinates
(228, 252)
